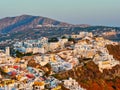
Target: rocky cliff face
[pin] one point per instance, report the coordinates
(91, 78)
(114, 50)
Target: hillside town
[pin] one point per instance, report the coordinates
(36, 62)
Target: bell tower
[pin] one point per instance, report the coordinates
(8, 51)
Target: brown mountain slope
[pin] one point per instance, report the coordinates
(25, 22)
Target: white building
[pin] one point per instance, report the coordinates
(8, 51)
(53, 45)
(72, 84)
(5, 58)
(34, 46)
(62, 42)
(105, 61)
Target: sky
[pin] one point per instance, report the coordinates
(93, 12)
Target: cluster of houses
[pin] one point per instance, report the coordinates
(40, 45)
(60, 65)
(28, 46)
(72, 84)
(95, 49)
(82, 35)
(17, 74)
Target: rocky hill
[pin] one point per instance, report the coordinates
(25, 22)
(33, 27)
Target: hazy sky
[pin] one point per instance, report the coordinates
(94, 12)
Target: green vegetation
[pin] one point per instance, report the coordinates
(63, 37)
(53, 39)
(71, 39)
(20, 55)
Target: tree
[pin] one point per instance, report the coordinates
(53, 39)
(71, 39)
(63, 37)
(19, 54)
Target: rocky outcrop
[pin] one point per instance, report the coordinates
(114, 50)
(89, 77)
